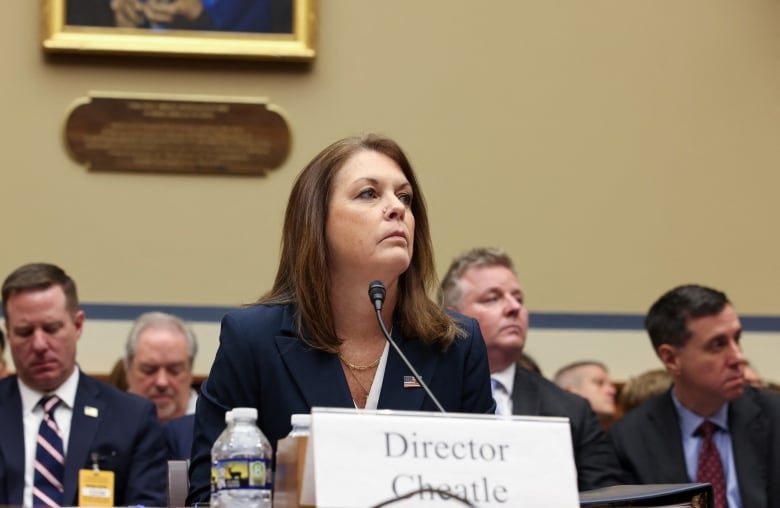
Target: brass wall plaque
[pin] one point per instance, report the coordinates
(192, 135)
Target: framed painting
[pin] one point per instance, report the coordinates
(254, 29)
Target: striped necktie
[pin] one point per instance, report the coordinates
(49, 458)
(501, 396)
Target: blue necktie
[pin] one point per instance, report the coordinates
(500, 395)
(49, 458)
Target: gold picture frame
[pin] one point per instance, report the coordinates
(299, 44)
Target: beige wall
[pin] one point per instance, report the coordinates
(614, 148)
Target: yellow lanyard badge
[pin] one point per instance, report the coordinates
(96, 487)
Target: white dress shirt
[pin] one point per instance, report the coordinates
(32, 416)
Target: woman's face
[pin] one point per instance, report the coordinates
(370, 227)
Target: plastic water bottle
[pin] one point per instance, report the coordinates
(291, 461)
(241, 463)
(301, 425)
(218, 474)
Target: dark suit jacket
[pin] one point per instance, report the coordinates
(178, 436)
(126, 435)
(262, 363)
(533, 395)
(649, 447)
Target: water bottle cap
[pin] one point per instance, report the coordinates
(244, 412)
(300, 420)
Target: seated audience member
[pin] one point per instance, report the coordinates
(709, 427)
(642, 387)
(56, 420)
(590, 379)
(356, 214)
(3, 365)
(482, 283)
(159, 355)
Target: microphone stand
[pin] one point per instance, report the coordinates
(376, 291)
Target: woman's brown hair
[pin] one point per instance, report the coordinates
(303, 275)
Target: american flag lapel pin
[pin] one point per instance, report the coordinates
(410, 382)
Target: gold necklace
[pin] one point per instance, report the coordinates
(361, 367)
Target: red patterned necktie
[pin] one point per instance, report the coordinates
(49, 458)
(710, 468)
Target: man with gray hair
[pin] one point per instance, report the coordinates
(159, 355)
(482, 283)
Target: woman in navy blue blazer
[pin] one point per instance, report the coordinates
(355, 214)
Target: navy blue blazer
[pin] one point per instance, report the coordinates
(178, 436)
(125, 433)
(533, 395)
(649, 446)
(262, 363)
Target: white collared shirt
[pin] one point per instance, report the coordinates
(32, 416)
(193, 403)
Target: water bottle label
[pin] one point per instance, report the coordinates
(215, 479)
(238, 473)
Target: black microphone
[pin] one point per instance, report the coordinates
(377, 292)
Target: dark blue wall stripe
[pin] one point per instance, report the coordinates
(130, 312)
(586, 321)
(568, 321)
(541, 320)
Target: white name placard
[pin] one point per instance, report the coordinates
(363, 458)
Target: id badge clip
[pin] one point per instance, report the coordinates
(96, 487)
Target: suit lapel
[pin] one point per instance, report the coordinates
(394, 394)
(662, 443)
(312, 370)
(525, 398)
(12, 442)
(749, 429)
(88, 410)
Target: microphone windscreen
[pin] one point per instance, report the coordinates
(376, 291)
